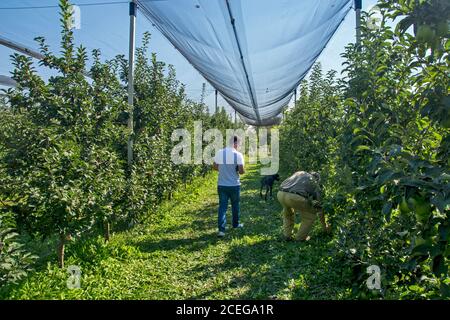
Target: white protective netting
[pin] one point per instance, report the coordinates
(254, 52)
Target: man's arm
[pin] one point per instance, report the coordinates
(318, 193)
(240, 164)
(317, 204)
(326, 227)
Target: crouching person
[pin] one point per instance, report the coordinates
(301, 193)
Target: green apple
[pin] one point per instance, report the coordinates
(442, 28)
(422, 208)
(425, 34)
(446, 122)
(404, 208)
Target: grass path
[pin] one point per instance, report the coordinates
(178, 256)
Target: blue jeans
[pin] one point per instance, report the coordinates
(225, 193)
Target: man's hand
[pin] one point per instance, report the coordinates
(326, 227)
(316, 204)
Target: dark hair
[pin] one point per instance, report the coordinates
(234, 140)
(316, 175)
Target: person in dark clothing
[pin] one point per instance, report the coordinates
(301, 192)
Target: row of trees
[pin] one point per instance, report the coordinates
(381, 138)
(63, 141)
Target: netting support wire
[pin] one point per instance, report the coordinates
(358, 7)
(7, 81)
(252, 95)
(131, 81)
(26, 50)
(21, 48)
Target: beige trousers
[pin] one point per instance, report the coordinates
(291, 203)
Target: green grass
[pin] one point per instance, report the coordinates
(177, 255)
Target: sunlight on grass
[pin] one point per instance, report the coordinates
(177, 255)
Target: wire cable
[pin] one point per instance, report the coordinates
(57, 6)
(250, 88)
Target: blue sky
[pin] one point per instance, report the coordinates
(107, 27)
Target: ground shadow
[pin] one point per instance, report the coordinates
(188, 244)
(269, 268)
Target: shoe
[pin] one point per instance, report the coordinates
(221, 234)
(240, 225)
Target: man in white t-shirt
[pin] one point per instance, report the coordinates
(230, 164)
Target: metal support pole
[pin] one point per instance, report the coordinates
(358, 7)
(131, 81)
(21, 48)
(26, 50)
(217, 110)
(295, 96)
(7, 81)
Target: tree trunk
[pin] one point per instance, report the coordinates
(107, 231)
(62, 240)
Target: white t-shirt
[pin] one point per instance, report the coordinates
(227, 159)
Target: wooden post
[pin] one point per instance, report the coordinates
(61, 243)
